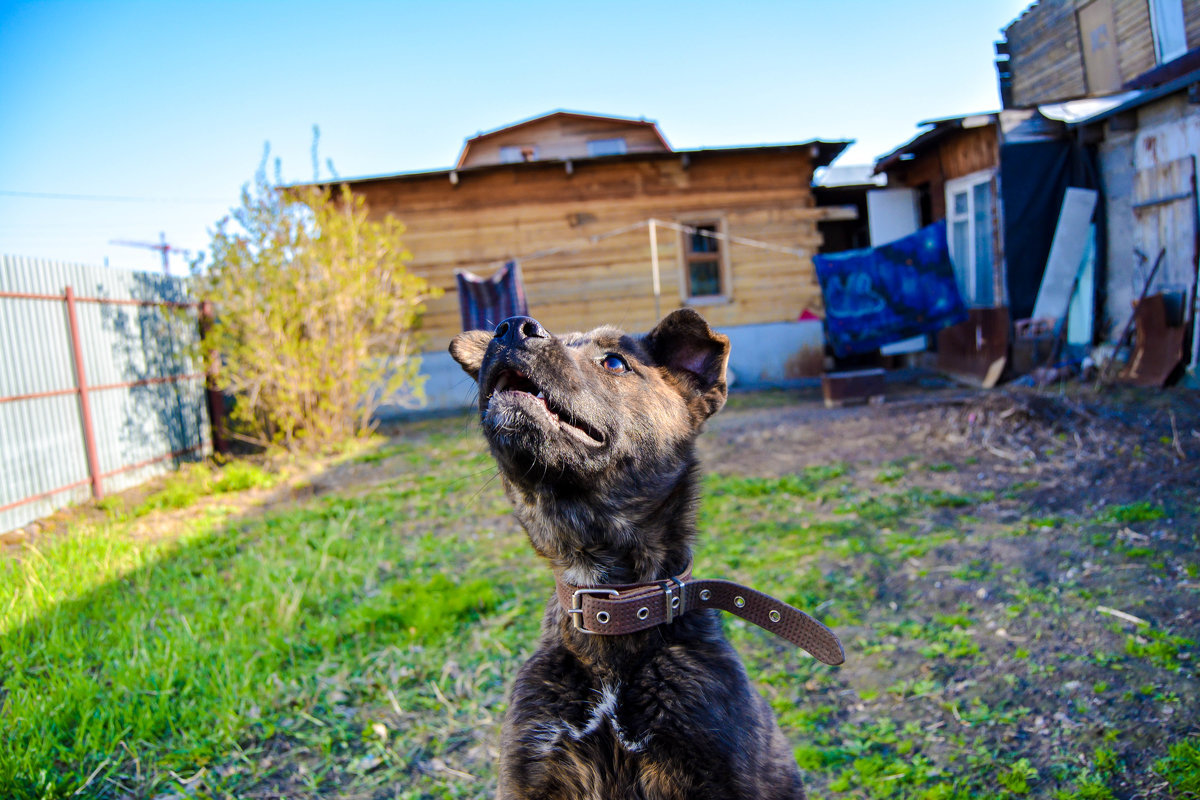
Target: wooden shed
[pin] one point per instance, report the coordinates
(953, 166)
(1066, 49)
(998, 180)
(570, 196)
(1125, 76)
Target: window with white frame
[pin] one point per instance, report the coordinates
(1170, 32)
(703, 262)
(970, 222)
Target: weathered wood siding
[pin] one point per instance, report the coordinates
(953, 156)
(515, 211)
(1135, 38)
(1191, 21)
(1045, 47)
(562, 137)
(1044, 54)
(956, 155)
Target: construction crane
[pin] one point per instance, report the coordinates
(161, 246)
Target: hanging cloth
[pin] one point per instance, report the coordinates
(485, 302)
(889, 293)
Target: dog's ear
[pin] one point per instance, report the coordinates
(468, 348)
(696, 354)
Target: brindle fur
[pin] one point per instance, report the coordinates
(667, 713)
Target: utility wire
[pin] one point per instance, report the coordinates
(108, 198)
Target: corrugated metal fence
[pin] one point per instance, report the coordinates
(98, 390)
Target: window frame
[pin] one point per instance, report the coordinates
(616, 151)
(507, 150)
(968, 267)
(1168, 25)
(687, 257)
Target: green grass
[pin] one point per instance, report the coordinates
(1141, 511)
(189, 484)
(1181, 768)
(173, 657)
(360, 644)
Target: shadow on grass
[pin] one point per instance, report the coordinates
(286, 646)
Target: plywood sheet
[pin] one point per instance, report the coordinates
(1098, 33)
(1067, 250)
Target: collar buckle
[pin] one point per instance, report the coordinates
(576, 609)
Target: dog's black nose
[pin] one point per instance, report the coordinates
(515, 330)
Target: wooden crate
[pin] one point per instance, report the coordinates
(859, 386)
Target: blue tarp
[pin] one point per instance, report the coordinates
(483, 303)
(885, 294)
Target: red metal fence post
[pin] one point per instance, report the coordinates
(85, 407)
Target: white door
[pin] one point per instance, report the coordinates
(970, 222)
(892, 214)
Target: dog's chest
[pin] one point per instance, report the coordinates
(602, 719)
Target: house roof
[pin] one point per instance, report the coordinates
(823, 153)
(938, 128)
(848, 176)
(479, 137)
(1137, 99)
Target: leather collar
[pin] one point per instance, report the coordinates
(618, 609)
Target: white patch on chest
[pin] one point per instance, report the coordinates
(606, 709)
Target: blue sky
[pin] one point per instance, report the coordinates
(160, 110)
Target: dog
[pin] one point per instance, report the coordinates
(633, 691)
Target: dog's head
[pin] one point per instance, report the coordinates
(579, 411)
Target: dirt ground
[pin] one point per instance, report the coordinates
(1070, 465)
(1086, 449)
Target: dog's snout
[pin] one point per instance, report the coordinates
(515, 330)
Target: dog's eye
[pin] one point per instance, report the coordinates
(614, 363)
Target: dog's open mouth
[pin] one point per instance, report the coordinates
(518, 386)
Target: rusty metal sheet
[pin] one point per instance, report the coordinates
(1159, 348)
(970, 348)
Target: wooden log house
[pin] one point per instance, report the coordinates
(568, 196)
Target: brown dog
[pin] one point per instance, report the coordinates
(594, 433)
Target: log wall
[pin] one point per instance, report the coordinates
(517, 211)
(562, 136)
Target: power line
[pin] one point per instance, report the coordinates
(109, 198)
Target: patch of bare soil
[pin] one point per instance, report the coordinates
(1084, 450)
(1077, 563)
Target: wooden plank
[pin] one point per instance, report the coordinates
(970, 151)
(1164, 217)
(1191, 23)
(860, 386)
(735, 176)
(1045, 55)
(1135, 37)
(1066, 253)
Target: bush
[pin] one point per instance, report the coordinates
(316, 314)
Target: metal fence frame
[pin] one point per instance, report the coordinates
(29, 491)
